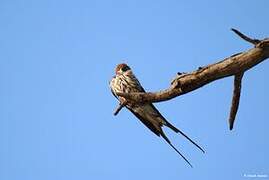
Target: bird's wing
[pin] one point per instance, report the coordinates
(168, 141)
(136, 84)
(147, 114)
(147, 117)
(149, 124)
(175, 129)
(154, 111)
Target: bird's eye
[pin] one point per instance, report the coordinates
(125, 68)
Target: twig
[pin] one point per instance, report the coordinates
(236, 98)
(119, 107)
(248, 39)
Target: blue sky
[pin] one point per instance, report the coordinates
(56, 109)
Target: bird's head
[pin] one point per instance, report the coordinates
(122, 68)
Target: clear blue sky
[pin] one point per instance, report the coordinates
(56, 109)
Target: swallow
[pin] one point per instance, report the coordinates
(125, 81)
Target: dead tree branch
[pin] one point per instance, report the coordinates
(236, 99)
(234, 65)
(252, 41)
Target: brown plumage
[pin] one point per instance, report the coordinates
(125, 81)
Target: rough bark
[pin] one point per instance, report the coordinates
(234, 65)
(236, 99)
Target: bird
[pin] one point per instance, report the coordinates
(125, 81)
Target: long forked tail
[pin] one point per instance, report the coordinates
(183, 134)
(168, 141)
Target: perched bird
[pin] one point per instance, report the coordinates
(125, 81)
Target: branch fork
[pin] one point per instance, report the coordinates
(235, 65)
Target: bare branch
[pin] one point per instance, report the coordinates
(248, 39)
(236, 98)
(188, 82)
(235, 65)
